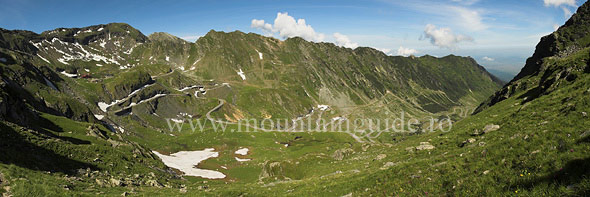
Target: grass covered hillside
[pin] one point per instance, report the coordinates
(99, 110)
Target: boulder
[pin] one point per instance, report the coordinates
(425, 146)
(388, 165)
(116, 182)
(490, 128)
(341, 153)
(154, 183)
(468, 141)
(270, 169)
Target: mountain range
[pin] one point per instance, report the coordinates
(107, 110)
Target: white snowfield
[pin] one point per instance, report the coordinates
(104, 106)
(78, 52)
(186, 162)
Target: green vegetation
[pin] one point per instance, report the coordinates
(63, 134)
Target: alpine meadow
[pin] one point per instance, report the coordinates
(293, 107)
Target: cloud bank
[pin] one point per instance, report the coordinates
(558, 3)
(406, 51)
(287, 27)
(344, 41)
(444, 37)
(563, 4)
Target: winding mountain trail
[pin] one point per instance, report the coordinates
(222, 102)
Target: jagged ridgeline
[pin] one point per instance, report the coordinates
(92, 102)
(269, 77)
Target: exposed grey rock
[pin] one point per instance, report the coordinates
(490, 128)
(388, 165)
(154, 183)
(341, 153)
(270, 169)
(116, 182)
(425, 146)
(380, 157)
(468, 141)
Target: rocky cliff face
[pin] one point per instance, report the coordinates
(543, 72)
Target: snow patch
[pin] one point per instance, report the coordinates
(102, 43)
(43, 59)
(176, 120)
(37, 45)
(241, 160)
(186, 161)
(99, 65)
(167, 58)
(68, 74)
(338, 118)
(104, 106)
(242, 151)
(259, 54)
(188, 88)
(63, 61)
(323, 107)
(242, 75)
(99, 117)
(100, 29)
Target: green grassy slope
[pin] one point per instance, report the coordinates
(58, 125)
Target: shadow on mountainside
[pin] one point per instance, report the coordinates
(574, 175)
(16, 148)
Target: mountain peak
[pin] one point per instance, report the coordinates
(163, 37)
(88, 34)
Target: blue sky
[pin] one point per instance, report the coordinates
(499, 34)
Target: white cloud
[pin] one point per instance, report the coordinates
(567, 13)
(555, 27)
(468, 18)
(406, 51)
(287, 27)
(558, 3)
(344, 41)
(489, 59)
(466, 2)
(259, 24)
(385, 50)
(444, 37)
